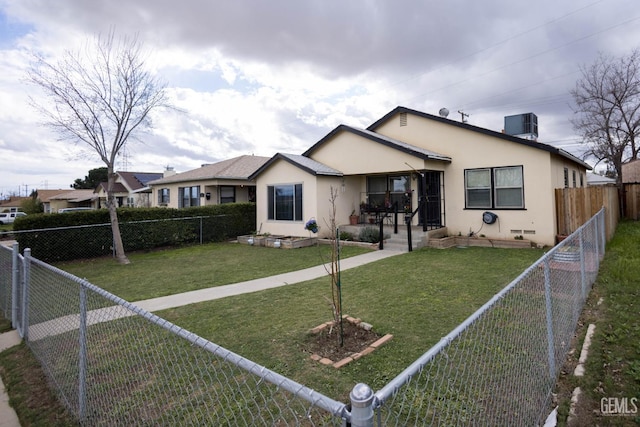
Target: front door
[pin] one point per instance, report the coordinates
(431, 210)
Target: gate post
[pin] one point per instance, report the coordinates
(26, 279)
(361, 406)
(15, 282)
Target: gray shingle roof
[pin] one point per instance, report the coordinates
(312, 165)
(305, 163)
(236, 168)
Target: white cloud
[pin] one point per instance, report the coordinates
(262, 77)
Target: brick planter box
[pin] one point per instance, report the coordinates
(355, 356)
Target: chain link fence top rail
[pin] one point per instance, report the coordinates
(499, 367)
(114, 363)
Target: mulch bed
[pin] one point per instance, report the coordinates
(326, 343)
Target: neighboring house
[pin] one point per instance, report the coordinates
(131, 189)
(12, 204)
(45, 197)
(597, 179)
(449, 173)
(631, 172)
(73, 199)
(223, 182)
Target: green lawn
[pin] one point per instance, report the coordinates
(613, 365)
(418, 297)
(170, 271)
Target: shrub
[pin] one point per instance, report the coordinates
(86, 234)
(369, 234)
(345, 235)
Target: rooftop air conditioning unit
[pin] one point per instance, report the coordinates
(522, 125)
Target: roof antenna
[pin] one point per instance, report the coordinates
(464, 115)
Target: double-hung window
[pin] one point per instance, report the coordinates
(163, 196)
(284, 202)
(188, 196)
(494, 188)
(227, 194)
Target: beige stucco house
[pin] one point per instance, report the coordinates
(445, 173)
(130, 190)
(73, 199)
(223, 182)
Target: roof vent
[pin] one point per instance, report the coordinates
(403, 119)
(522, 125)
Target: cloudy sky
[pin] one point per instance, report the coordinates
(261, 77)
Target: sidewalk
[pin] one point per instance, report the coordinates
(8, 417)
(208, 294)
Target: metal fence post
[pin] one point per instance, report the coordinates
(361, 406)
(603, 231)
(583, 272)
(201, 232)
(82, 362)
(547, 298)
(26, 278)
(15, 282)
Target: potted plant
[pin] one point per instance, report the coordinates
(312, 225)
(353, 218)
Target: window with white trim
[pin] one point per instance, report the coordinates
(284, 202)
(494, 188)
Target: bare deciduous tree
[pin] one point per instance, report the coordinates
(607, 109)
(334, 265)
(100, 96)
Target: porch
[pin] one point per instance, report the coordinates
(399, 241)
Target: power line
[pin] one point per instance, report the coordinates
(519, 61)
(501, 42)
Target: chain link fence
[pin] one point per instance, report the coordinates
(499, 367)
(52, 244)
(113, 363)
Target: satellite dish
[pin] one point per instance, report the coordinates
(443, 112)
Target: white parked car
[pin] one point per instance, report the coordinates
(9, 217)
(63, 210)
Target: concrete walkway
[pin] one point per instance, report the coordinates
(186, 298)
(8, 417)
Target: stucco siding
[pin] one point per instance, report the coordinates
(353, 155)
(346, 197)
(206, 187)
(470, 150)
(284, 173)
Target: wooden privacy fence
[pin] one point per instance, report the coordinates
(574, 207)
(632, 201)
